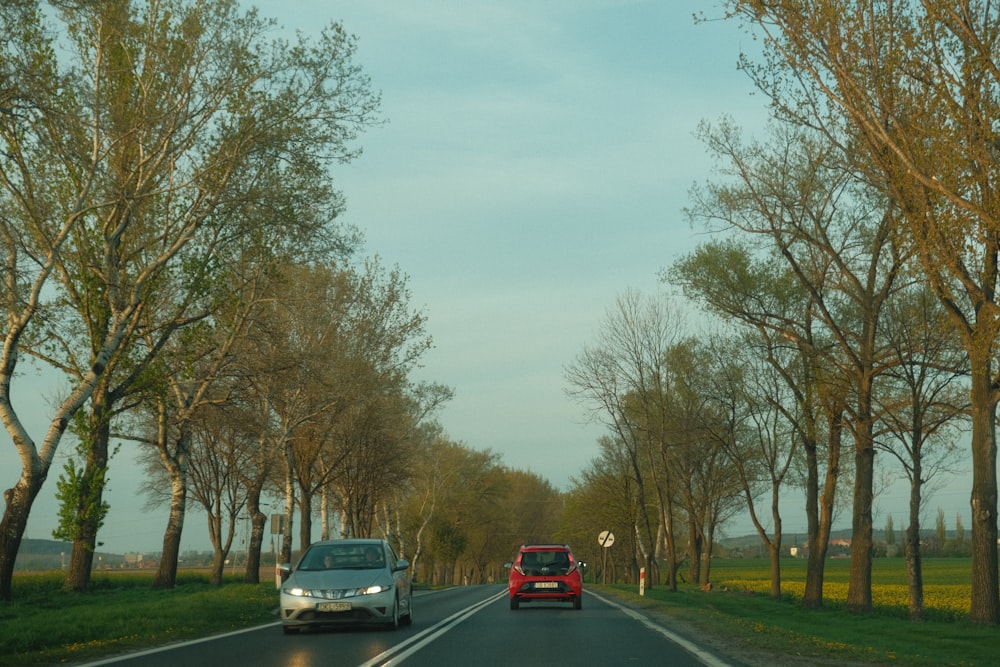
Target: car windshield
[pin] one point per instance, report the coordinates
(343, 557)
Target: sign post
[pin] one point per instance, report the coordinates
(606, 538)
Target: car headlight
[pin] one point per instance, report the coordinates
(372, 590)
(297, 592)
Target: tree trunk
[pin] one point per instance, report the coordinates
(774, 546)
(89, 511)
(166, 574)
(706, 569)
(286, 535)
(819, 511)
(984, 605)
(859, 586)
(305, 519)
(258, 524)
(218, 567)
(694, 550)
(914, 569)
(15, 520)
(81, 561)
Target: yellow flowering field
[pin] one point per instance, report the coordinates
(946, 583)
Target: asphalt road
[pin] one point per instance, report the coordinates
(471, 625)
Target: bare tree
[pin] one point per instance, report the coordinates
(924, 400)
(622, 380)
(759, 442)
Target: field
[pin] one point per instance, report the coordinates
(946, 584)
(44, 625)
(738, 612)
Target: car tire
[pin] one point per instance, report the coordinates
(408, 618)
(514, 603)
(288, 630)
(578, 602)
(394, 623)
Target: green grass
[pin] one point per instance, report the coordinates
(44, 625)
(738, 612)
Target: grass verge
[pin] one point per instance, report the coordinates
(44, 625)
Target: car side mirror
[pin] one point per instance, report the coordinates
(508, 565)
(401, 564)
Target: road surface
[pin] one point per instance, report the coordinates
(469, 625)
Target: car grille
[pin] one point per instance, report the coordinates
(332, 594)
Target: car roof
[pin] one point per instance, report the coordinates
(545, 547)
(351, 540)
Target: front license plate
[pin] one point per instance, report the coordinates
(546, 584)
(333, 606)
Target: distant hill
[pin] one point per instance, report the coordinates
(44, 547)
(54, 555)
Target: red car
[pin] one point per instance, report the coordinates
(545, 572)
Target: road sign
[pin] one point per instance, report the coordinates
(606, 538)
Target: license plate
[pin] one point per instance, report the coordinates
(333, 606)
(546, 584)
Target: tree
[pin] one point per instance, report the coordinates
(907, 91)
(921, 403)
(703, 419)
(434, 472)
(622, 379)
(759, 442)
(603, 496)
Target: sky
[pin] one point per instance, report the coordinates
(534, 165)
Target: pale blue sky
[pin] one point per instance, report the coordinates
(535, 164)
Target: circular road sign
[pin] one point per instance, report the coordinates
(606, 538)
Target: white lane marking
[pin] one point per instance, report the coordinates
(706, 658)
(397, 654)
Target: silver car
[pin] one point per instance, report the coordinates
(357, 581)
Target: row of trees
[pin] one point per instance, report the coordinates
(172, 247)
(854, 265)
(165, 191)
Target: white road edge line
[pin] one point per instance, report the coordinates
(170, 647)
(707, 659)
(397, 654)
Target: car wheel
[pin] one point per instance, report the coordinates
(514, 603)
(408, 618)
(578, 602)
(288, 630)
(394, 623)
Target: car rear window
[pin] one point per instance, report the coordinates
(552, 560)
